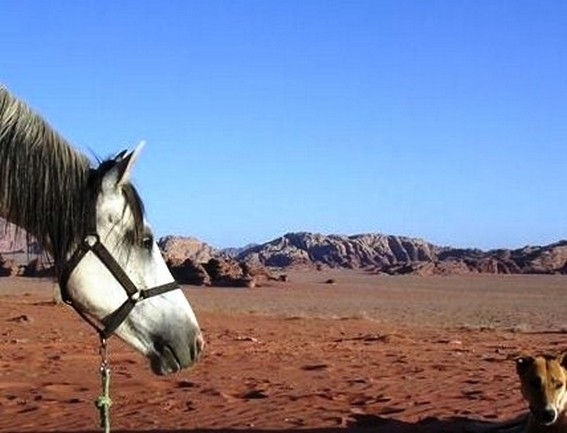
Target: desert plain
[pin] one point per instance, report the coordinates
(366, 353)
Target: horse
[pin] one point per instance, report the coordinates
(90, 219)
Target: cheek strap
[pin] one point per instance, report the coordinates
(107, 325)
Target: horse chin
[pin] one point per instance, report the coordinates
(164, 362)
(168, 358)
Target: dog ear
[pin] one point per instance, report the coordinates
(562, 359)
(523, 362)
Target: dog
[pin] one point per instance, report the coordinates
(543, 381)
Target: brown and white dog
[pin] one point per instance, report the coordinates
(543, 382)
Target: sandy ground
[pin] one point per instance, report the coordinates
(369, 353)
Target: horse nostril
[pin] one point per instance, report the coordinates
(200, 342)
(197, 347)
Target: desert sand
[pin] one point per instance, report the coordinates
(368, 353)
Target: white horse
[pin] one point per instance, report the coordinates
(91, 220)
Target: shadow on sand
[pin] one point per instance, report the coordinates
(366, 424)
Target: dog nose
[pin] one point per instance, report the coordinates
(548, 416)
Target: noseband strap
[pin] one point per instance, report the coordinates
(108, 325)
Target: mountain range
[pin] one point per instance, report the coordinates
(380, 253)
(384, 254)
(396, 255)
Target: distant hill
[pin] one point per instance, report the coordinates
(396, 255)
(357, 251)
(10, 240)
(179, 248)
(380, 253)
(236, 251)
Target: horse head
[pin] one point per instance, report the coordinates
(118, 280)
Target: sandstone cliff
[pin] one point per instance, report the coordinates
(11, 239)
(395, 255)
(179, 248)
(358, 251)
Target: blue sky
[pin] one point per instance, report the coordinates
(444, 120)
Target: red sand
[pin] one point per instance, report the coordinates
(381, 354)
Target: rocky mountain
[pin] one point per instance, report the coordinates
(11, 240)
(235, 251)
(193, 260)
(179, 248)
(395, 255)
(358, 251)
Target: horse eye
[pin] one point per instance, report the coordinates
(148, 242)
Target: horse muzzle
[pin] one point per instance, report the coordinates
(168, 358)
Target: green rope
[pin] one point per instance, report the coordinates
(103, 402)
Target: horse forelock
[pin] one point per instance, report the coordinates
(47, 187)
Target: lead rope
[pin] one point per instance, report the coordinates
(103, 402)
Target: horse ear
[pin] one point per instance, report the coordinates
(120, 155)
(119, 174)
(127, 162)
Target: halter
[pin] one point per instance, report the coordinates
(91, 244)
(107, 326)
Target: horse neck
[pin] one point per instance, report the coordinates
(44, 189)
(44, 182)
(51, 213)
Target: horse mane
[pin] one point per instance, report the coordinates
(46, 187)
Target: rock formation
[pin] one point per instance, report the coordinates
(223, 272)
(396, 255)
(8, 268)
(11, 239)
(194, 262)
(358, 251)
(180, 248)
(189, 271)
